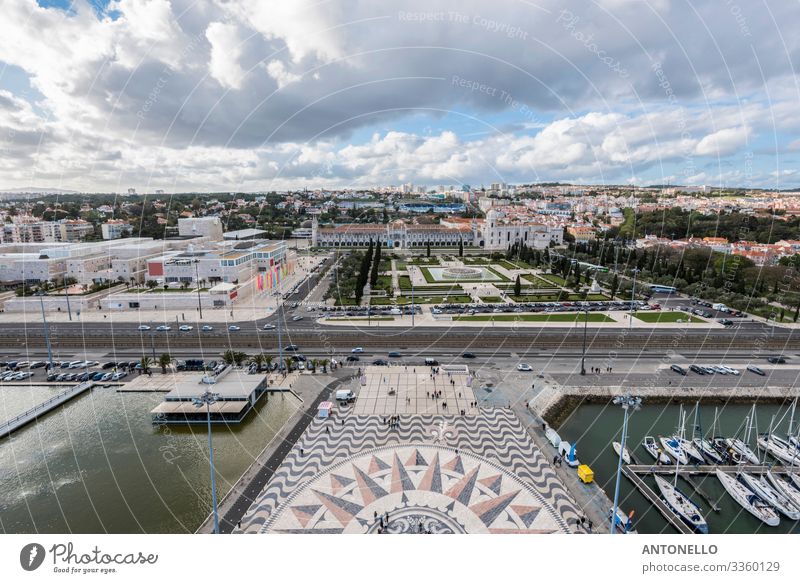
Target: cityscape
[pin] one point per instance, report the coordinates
(336, 268)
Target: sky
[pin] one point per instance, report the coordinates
(254, 95)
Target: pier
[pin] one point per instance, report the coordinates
(655, 499)
(10, 426)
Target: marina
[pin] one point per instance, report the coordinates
(735, 496)
(41, 409)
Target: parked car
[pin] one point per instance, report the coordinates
(291, 348)
(118, 376)
(524, 367)
(754, 369)
(678, 369)
(697, 369)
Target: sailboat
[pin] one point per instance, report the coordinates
(626, 455)
(740, 446)
(649, 443)
(748, 500)
(784, 487)
(679, 502)
(721, 445)
(767, 493)
(682, 505)
(704, 445)
(778, 448)
(672, 446)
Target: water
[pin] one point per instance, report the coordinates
(99, 465)
(594, 427)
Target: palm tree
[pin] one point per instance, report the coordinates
(151, 284)
(257, 360)
(145, 362)
(228, 357)
(288, 362)
(324, 364)
(268, 358)
(164, 361)
(314, 363)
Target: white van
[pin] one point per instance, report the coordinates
(345, 395)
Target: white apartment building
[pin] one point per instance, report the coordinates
(116, 229)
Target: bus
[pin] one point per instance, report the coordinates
(663, 289)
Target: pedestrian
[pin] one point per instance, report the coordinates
(590, 526)
(302, 451)
(239, 525)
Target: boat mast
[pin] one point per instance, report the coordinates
(769, 437)
(791, 417)
(680, 445)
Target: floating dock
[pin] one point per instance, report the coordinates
(10, 426)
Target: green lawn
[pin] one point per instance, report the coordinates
(373, 319)
(659, 317)
(491, 299)
(476, 260)
(553, 278)
(535, 318)
(423, 261)
(430, 279)
(538, 282)
(454, 299)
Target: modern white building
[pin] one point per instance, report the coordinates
(116, 229)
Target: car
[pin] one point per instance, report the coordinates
(70, 376)
(60, 377)
(524, 367)
(678, 369)
(352, 358)
(731, 370)
(186, 328)
(776, 360)
(23, 364)
(82, 377)
(37, 364)
(754, 369)
(301, 366)
(697, 369)
(51, 377)
(163, 328)
(297, 318)
(107, 365)
(395, 355)
(357, 350)
(467, 355)
(380, 362)
(97, 376)
(234, 328)
(206, 328)
(75, 364)
(291, 348)
(726, 322)
(269, 327)
(143, 328)
(719, 370)
(118, 376)
(107, 376)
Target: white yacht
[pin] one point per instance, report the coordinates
(672, 446)
(784, 487)
(767, 493)
(682, 505)
(748, 500)
(652, 448)
(626, 455)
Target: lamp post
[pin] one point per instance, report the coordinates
(46, 330)
(66, 295)
(633, 297)
(583, 355)
(627, 402)
(197, 283)
(207, 399)
(413, 309)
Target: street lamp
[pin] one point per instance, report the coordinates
(46, 329)
(627, 402)
(197, 283)
(633, 297)
(583, 356)
(207, 399)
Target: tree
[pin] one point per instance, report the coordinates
(461, 247)
(517, 287)
(314, 363)
(164, 361)
(614, 286)
(257, 360)
(324, 362)
(428, 249)
(288, 363)
(145, 364)
(151, 284)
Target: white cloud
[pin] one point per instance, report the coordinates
(722, 142)
(277, 70)
(226, 51)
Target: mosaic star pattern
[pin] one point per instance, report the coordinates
(438, 474)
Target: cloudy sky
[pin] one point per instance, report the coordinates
(269, 94)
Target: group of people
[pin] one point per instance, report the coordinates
(596, 369)
(392, 421)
